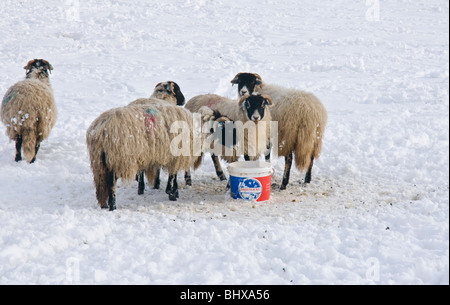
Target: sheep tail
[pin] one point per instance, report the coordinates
(309, 143)
(100, 170)
(29, 144)
(304, 148)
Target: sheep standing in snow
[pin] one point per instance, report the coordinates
(29, 111)
(250, 108)
(165, 92)
(301, 122)
(141, 137)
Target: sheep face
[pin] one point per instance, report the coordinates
(246, 82)
(254, 106)
(169, 91)
(38, 68)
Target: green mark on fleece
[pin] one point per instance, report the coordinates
(7, 98)
(150, 117)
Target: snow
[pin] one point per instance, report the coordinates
(376, 212)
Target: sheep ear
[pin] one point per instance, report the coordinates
(235, 80)
(268, 99)
(258, 79)
(178, 95)
(49, 66)
(28, 66)
(157, 84)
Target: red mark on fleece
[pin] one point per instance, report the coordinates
(213, 103)
(150, 117)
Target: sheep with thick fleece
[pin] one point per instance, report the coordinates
(250, 108)
(301, 121)
(29, 111)
(140, 137)
(164, 92)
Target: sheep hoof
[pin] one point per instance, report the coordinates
(283, 187)
(173, 197)
(222, 178)
(112, 207)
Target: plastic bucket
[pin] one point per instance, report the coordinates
(250, 180)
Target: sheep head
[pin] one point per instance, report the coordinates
(38, 68)
(246, 82)
(169, 91)
(254, 106)
(221, 128)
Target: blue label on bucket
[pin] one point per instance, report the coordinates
(245, 188)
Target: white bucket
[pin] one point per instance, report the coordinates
(250, 180)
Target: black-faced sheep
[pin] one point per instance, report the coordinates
(301, 121)
(251, 117)
(167, 91)
(141, 137)
(29, 111)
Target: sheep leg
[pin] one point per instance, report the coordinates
(157, 179)
(141, 182)
(38, 145)
(187, 178)
(218, 168)
(169, 184)
(19, 141)
(269, 148)
(111, 182)
(287, 171)
(172, 187)
(175, 187)
(308, 173)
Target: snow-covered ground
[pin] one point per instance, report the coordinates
(376, 212)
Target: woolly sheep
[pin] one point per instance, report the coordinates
(137, 137)
(301, 122)
(164, 92)
(249, 108)
(29, 111)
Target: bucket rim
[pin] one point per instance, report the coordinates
(262, 169)
(259, 163)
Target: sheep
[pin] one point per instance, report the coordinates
(138, 138)
(252, 108)
(164, 92)
(29, 111)
(301, 121)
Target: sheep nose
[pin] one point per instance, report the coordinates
(256, 118)
(244, 92)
